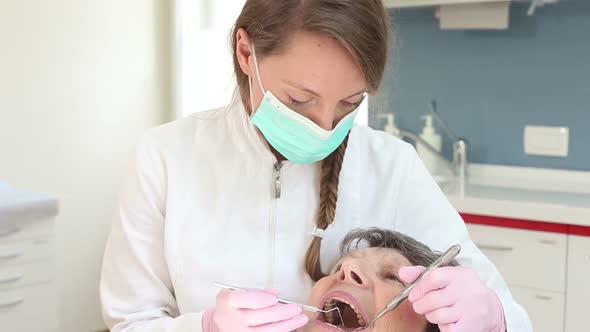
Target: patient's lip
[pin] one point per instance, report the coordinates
(348, 298)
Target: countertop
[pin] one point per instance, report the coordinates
(544, 195)
(18, 206)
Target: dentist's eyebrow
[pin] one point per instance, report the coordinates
(301, 87)
(355, 94)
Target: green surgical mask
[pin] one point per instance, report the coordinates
(294, 136)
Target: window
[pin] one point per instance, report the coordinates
(203, 66)
(204, 76)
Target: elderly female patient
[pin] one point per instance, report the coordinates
(364, 281)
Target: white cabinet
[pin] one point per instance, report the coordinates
(17, 276)
(524, 258)
(27, 285)
(534, 266)
(545, 309)
(28, 293)
(578, 284)
(29, 309)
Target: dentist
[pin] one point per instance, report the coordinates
(260, 193)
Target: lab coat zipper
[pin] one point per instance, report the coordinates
(273, 222)
(277, 179)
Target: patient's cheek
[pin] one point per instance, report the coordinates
(408, 319)
(318, 292)
(406, 312)
(403, 318)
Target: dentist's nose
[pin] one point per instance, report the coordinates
(351, 274)
(324, 117)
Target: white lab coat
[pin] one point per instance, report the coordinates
(199, 207)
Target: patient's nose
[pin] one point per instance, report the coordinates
(351, 273)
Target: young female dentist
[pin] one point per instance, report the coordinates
(257, 194)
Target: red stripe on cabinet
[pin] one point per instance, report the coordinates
(516, 223)
(580, 230)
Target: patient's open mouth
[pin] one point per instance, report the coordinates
(352, 315)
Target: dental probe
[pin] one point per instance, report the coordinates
(305, 307)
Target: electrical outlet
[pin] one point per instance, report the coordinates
(546, 141)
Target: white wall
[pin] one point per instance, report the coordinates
(204, 66)
(79, 80)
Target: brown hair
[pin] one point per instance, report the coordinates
(362, 26)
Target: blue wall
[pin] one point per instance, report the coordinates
(490, 84)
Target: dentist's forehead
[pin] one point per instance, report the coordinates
(320, 63)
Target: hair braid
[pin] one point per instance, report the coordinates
(330, 176)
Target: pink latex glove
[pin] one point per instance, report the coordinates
(455, 299)
(252, 311)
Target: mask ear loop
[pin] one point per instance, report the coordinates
(251, 97)
(256, 67)
(250, 81)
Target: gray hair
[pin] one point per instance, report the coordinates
(413, 250)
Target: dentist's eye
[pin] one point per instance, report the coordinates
(296, 102)
(355, 105)
(349, 107)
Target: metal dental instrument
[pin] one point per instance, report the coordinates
(285, 301)
(444, 259)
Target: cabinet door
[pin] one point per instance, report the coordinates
(529, 259)
(18, 276)
(30, 309)
(544, 308)
(39, 229)
(26, 251)
(578, 284)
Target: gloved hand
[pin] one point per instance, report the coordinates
(455, 299)
(252, 311)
